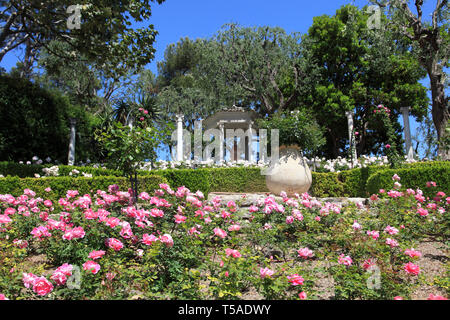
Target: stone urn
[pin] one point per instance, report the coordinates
(290, 173)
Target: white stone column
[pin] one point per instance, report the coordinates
(222, 140)
(351, 134)
(407, 132)
(71, 156)
(250, 143)
(180, 118)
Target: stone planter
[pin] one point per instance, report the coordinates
(290, 174)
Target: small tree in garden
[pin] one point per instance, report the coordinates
(393, 152)
(295, 127)
(129, 147)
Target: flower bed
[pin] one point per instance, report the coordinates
(177, 245)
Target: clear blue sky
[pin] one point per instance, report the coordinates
(176, 19)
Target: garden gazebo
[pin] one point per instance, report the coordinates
(234, 118)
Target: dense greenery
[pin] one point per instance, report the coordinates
(295, 128)
(59, 185)
(35, 122)
(104, 34)
(414, 178)
(359, 69)
(347, 183)
(428, 40)
(177, 246)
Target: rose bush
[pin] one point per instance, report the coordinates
(177, 245)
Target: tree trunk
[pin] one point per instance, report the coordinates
(440, 111)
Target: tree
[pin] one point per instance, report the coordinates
(104, 34)
(35, 122)
(127, 148)
(77, 79)
(430, 42)
(260, 67)
(180, 87)
(358, 69)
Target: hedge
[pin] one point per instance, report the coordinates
(198, 179)
(326, 185)
(60, 185)
(349, 183)
(412, 178)
(29, 170)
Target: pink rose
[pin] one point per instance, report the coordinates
(233, 253)
(42, 286)
(411, 268)
(295, 279)
(28, 279)
(266, 272)
(302, 295)
(114, 244)
(91, 266)
(167, 239)
(220, 233)
(305, 253)
(149, 239)
(437, 297)
(94, 255)
(345, 260)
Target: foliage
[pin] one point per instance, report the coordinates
(129, 147)
(105, 34)
(295, 127)
(429, 41)
(413, 177)
(359, 68)
(177, 245)
(35, 122)
(60, 185)
(260, 67)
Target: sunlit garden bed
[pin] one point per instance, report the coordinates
(174, 244)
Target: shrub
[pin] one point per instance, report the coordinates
(348, 183)
(178, 246)
(355, 180)
(415, 177)
(194, 179)
(29, 170)
(326, 185)
(35, 122)
(60, 185)
(237, 180)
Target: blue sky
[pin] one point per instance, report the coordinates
(176, 19)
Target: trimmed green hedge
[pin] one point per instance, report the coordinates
(412, 178)
(238, 180)
(349, 183)
(60, 185)
(216, 179)
(29, 170)
(198, 179)
(326, 185)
